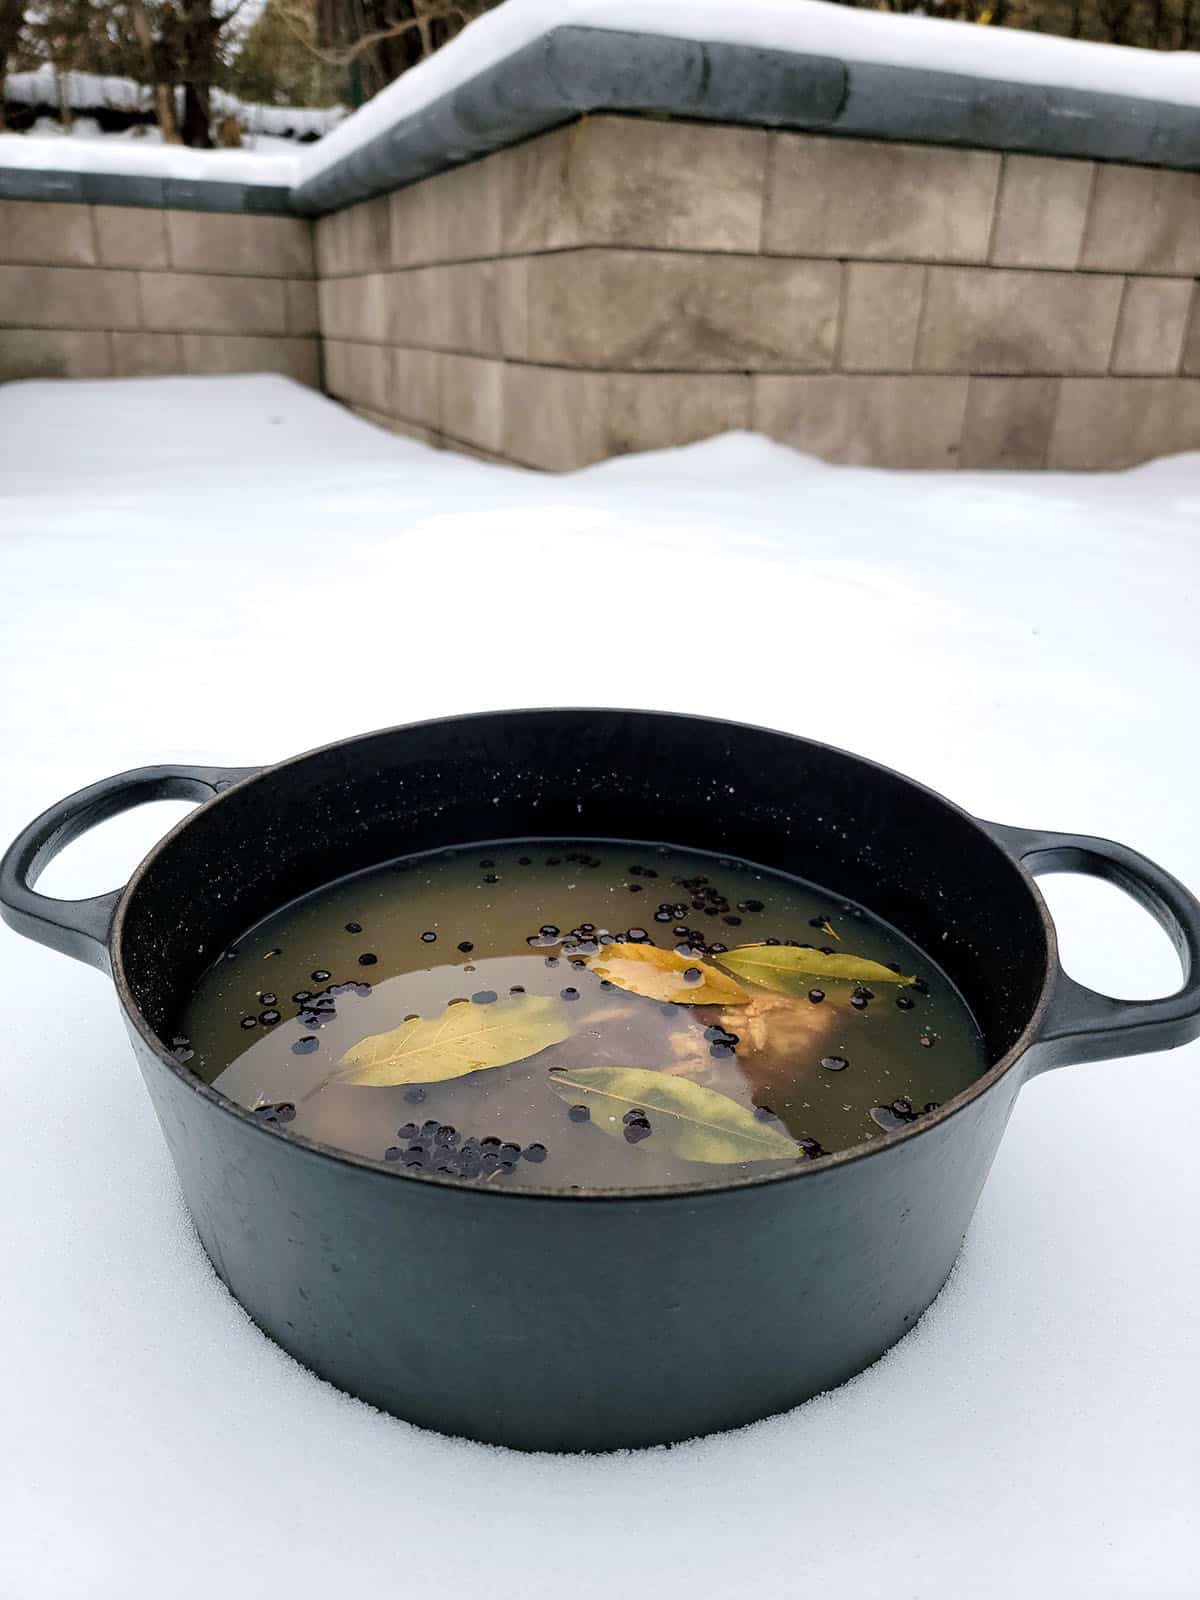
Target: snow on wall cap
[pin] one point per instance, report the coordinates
(146, 159)
(805, 27)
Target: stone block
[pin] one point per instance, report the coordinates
(131, 236)
(864, 421)
(361, 373)
(303, 315)
(1008, 423)
(366, 307)
(332, 240)
(246, 246)
(453, 216)
(468, 210)
(53, 353)
(537, 209)
(471, 401)
(558, 419)
(646, 310)
(369, 243)
(216, 353)
(665, 185)
(881, 315)
(335, 367)
(1041, 212)
(1025, 323)
(412, 224)
(510, 281)
(554, 418)
(186, 302)
(45, 233)
(1143, 219)
(868, 199)
(407, 430)
(336, 305)
(68, 297)
(416, 386)
(655, 411)
(1153, 321)
(139, 355)
(1106, 423)
(1191, 344)
(419, 308)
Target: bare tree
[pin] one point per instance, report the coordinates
(380, 39)
(155, 67)
(12, 18)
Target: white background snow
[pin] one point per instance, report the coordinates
(229, 570)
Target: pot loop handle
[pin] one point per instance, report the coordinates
(81, 928)
(1081, 1024)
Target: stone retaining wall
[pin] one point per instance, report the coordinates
(622, 284)
(627, 283)
(99, 291)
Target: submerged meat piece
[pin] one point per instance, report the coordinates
(779, 1038)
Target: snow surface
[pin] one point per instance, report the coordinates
(809, 26)
(87, 91)
(148, 157)
(228, 570)
(143, 137)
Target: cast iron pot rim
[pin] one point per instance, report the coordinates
(317, 1149)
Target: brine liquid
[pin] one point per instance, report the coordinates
(830, 1066)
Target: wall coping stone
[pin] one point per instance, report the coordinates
(571, 71)
(138, 189)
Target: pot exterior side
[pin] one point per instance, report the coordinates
(578, 1322)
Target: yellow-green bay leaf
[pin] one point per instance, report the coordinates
(658, 974)
(789, 969)
(686, 1119)
(464, 1038)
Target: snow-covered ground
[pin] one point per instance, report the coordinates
(228, 570)
(811, 27)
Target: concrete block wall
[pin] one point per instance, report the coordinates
(623, 284)
(98, 291)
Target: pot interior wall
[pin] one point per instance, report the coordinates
(803, 808)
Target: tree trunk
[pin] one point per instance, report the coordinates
(198, 54)
(196, 129)
(164, 99)
(64, 100)
(12, 15)
(164, 106)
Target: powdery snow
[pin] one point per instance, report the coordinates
(808, 26)
(228, 570)
(271, 161)
(88, 91)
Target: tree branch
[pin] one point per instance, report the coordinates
(341, 57)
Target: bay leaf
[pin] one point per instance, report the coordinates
(690, 1121)
(788, 969)
(658, 974)
(464, 1038)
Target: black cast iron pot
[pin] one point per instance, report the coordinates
(593, 1320)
